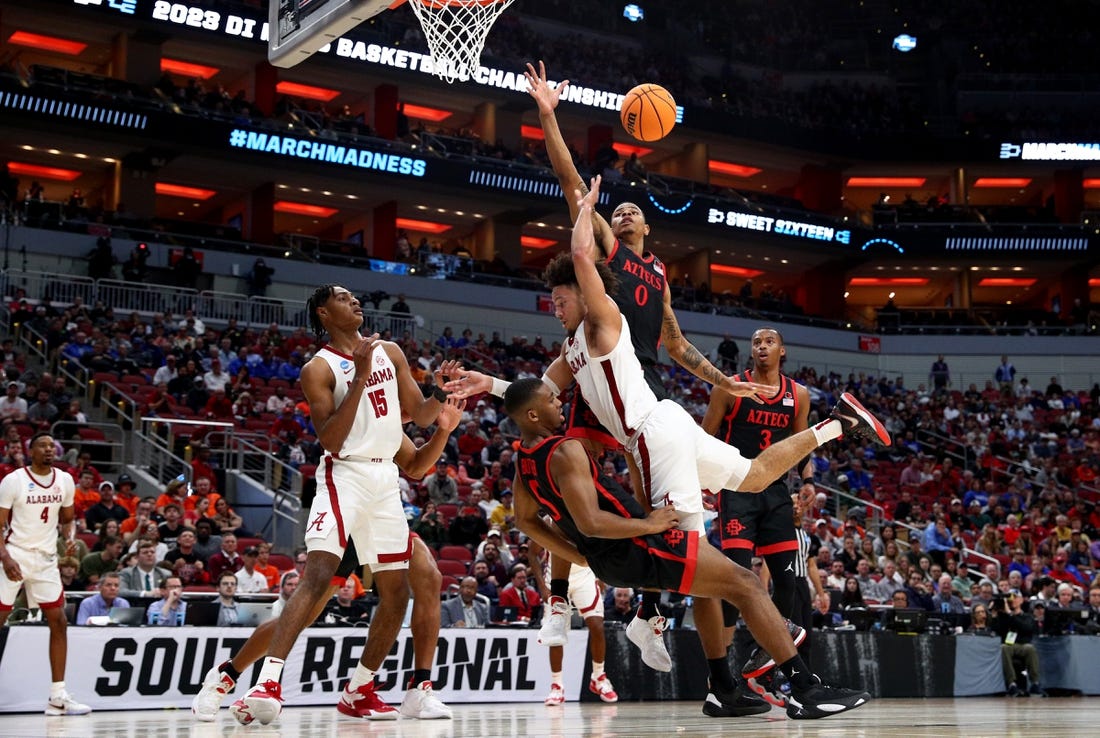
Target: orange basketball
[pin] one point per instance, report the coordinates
(648, 112)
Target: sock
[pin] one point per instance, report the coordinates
(559, 588)
(57, 689)
(649, 604)
(720, 676)
(231, 671)
(797, 673)
(597, 669)
(362, 676)
(272, 670)
(420, 676)
(555, 678)
(827, 430)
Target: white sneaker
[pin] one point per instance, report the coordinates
(556, 697)
(421, 703)
(601, 686)
(64, 704)
(647, 636)
(215, 686)
(555, 623)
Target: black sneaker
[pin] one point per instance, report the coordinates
(822, 701)
(1013, 690)
(858, 420)
(760, 662)
(769, 686)
(1036, 691)
(738, 703)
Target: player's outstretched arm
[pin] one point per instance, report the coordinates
(601, 310)
(717, 407)
(416, 462)
(569, 178)
(422, 410)
(530, 522)
(465, 383)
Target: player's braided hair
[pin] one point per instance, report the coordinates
(319, 297)
(560, 271)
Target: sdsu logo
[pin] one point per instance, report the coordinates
(673, 537)
(733, 528)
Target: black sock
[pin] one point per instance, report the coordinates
(419, 676)
(227, 668)
(649, 604)
(720, 676)
(559, 588)
(797, 673)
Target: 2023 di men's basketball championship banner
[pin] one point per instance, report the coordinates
(140, 668)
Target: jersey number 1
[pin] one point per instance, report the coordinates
(378, 402)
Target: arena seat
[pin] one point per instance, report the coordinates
(453, 567)
(455, 553)
(448, 582)
(282, 562)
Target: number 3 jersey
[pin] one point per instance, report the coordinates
(35, 503)
(752, 426)
(376, 432)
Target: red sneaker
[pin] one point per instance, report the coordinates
(263, 703)
(365, 704)
(602, 687)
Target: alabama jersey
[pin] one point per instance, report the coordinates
(376, 431)
(614, 384)
(35, 504)
(641, 301)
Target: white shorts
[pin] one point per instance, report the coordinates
(360, 501)
(41, 579)
(678, 460)
(584, 592)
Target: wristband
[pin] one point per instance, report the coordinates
(550, 383)
(499, 387)
(439, 394)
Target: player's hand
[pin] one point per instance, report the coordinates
(806, 494)
(467, 383)
(446, 370)
(710, 500)
(590, 198)
(361, 355)
(70, 547)
(758, 392)
(450, 414)
(11, 569)
(538, 88)
(664, 518)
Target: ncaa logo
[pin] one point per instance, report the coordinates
(345, 364)
(31, 486)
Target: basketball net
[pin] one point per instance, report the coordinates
(455, 31)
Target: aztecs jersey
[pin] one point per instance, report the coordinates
(376, 432)
(641, 301)
(35, 503)
(533, 468)
(751, 426)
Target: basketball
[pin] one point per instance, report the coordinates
(648, 112)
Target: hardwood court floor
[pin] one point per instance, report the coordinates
(971, 717)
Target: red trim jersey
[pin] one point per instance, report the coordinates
(641, 301)
(376, 431)
(35, 505)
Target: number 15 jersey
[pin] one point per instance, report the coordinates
(376, 432)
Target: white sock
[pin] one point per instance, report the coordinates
(362, 676)
(272, 670)
(56, 689)
(597, 669)
(827, 430)
(555, 678)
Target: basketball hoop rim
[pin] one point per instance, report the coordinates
(438, 4)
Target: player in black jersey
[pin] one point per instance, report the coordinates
(597, 523)
(761, 524)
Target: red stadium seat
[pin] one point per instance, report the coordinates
(455, 553)
(452, 567)
(282, 562)
(243, 543)
(308, 470)
(91, 434)
(448, 581)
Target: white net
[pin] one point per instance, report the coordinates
(455, 31)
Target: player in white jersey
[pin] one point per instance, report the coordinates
(677, 458)
(357, 388)
(34, 500)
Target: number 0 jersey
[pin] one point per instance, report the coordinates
(376, 431)
(641, 301)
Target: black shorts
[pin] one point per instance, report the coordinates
(762, 523)
(582, 423)
(659, 561)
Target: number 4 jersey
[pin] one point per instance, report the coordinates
(376, 432)
(35, 503)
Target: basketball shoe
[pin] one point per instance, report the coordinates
(822, 701)
(760, 662)
(769, 686)
(738, 703)
(365, 704)
(208, 701)
(555, 623)
(421, 703)
(64, 704)
(263, 703)
(647, 635)
(601, 686)
(858, 421)
(556, 696)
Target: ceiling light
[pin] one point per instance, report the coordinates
(423, 112)
(189, 193)
(1002, 182)
(888, 281)
(625, 149)
(301, 208)
(423, 226)
(536, 243)
(734, 170)
(309, 92)
(734, 271)
(886, 181)
(47, 43)
(187, 69)
(35, 170)
(1007, 282)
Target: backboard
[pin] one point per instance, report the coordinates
(298, 28)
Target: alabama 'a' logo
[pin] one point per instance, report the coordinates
(318, 522)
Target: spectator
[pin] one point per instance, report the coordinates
(185, 560)
(504, 514)
(937, 541)
(249, 580)
(939, 376)
(259, 278)
(487, 583)
(441, 488)
(918, 592)
(13, 408)
(227, 598)
(101, 603)
(279, 401)
(125, 492)
(166, 373)
(265, 567)
(105, 509)
(171, 608)
(226, 520)
(96, 565)
(170, 529)
(347, 609)
(225, 560)
(468, 527)
(1004, 375)
(979, 621)
(945, 600)
(287, 584)
(519, 597)
(207, 543)
(42, 413)
(1016, 629)
(621, 607)
(850, 595)
(202, 489)
(145, 578)
(202, 466)
(465, 610)
(86, 495)
(69, 570)
(429, 526)
(133, 527)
